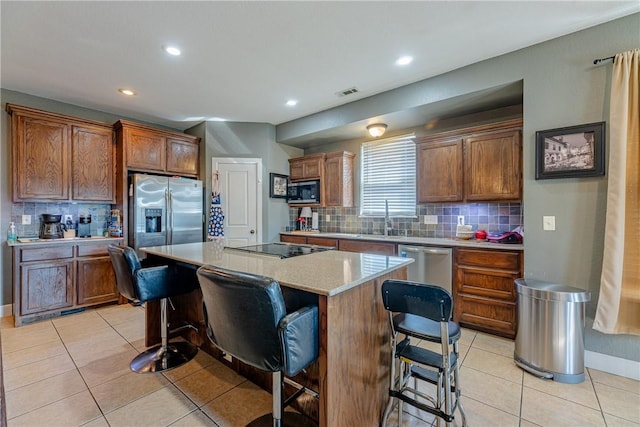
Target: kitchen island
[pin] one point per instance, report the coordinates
(352, 370)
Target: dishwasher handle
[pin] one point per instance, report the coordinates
(434, 251)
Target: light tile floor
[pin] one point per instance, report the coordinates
(73, 371)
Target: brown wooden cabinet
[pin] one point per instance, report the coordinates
(95, 278)
(308, 167)
(483, 163)
(60, 158)
(93, 164)
(154, 150)
(369, 247)
(439, 171)
(338, 171)
(50, 278)
(484, 290)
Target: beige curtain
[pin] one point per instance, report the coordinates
(618, 309)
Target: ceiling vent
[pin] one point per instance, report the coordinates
(345, 92)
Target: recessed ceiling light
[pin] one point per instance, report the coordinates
(128, 92)
(404, 60)
(291, 103)
(172, 50)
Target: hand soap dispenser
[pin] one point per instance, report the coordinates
(12, 234)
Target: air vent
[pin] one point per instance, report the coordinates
(345, 92)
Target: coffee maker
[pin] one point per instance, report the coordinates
(51, 227)
(84, 226)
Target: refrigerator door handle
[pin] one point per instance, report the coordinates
(167, 197)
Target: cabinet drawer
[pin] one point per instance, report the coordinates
(489, 259)
(286, 238)
(93, 249)
(497, 317)
(323, 241)
(369, 247)
(46, 253)
(489, 283)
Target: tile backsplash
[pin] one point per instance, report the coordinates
(99, 215)
(491, 217)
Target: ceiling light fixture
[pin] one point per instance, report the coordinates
(128, 92)
(377, 130)
(292, 103)
(172, 50)
(404, 60)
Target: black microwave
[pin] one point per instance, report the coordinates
(304, 192)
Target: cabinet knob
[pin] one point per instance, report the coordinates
(252, 231)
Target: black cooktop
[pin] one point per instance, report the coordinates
(283, 250)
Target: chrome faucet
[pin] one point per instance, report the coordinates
(387, 222)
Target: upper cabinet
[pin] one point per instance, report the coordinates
(338, 172)
(307, 168)
(60, 158)
(155, 150)
(482, 163)
(335, 172)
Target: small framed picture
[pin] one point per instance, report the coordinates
(278, 185)
(570, 152)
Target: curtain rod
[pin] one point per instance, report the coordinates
(597, 61)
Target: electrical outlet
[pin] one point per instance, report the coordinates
(431, 219)
(68, 218)
(26, 219)
(328, 218)
(549, 223)
(460, 219)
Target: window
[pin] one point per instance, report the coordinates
(388, 173)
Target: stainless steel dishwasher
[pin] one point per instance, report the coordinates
(432, 265)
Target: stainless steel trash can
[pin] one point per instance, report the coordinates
(550, 333)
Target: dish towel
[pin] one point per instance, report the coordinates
(216, 216)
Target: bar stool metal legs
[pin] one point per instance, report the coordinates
(167, 355)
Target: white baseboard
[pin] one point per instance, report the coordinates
(613, 365)
(6, 310)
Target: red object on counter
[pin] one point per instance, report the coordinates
(481, 234)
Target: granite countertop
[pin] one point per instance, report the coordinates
(323, 273)
(31, 241)
(426, 241)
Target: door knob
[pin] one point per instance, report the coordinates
(252, 231)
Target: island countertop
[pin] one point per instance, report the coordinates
(323, 273)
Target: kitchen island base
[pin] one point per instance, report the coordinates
(352, 370)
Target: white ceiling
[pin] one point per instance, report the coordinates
(242, 61)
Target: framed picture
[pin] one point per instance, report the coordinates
(278, 185)
(571, 152)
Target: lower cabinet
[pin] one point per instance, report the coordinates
(484, 291)
(49, 278)
(370, 247)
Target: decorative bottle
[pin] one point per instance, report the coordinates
(12, 234)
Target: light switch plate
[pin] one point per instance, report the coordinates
(431, 219)
(549, 223)
(67, 218)
(460, 219)
(26, 219)
(328, 218)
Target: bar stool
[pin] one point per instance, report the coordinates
(422, 312)
(153, 283)
(246, 318)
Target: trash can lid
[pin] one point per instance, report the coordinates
(551, 291)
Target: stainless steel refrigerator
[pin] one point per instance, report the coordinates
(164, 211)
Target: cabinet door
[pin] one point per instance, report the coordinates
(439, 171)
(182, 156)
(493, 166)
(287, 238)
(338, 178)
(369, 247)
(145, 150)
(323, 241)
(46, 286)
(95, 281)
(41, 151)
(309, 167)
(93, 164)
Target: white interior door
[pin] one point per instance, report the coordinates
(240, 182)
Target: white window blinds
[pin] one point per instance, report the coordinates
(388, 173)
